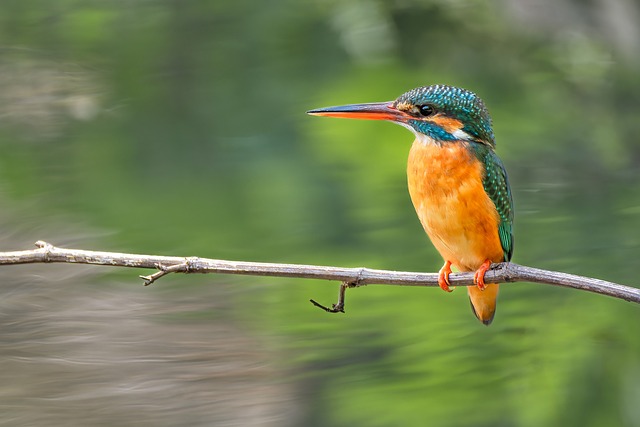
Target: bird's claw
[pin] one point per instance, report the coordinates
(478, 278)
(443, 277)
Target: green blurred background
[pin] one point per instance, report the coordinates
(178, 128)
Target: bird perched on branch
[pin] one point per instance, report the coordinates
(457, 183)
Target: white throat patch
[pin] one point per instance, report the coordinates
(460, 134)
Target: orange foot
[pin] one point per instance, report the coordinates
(443, 277)
(478, 278)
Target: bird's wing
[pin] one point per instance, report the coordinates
(496, 184)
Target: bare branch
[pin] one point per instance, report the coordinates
(350, 277)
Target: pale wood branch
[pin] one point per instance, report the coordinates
(350, 277)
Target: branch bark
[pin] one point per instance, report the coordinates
(350, 277)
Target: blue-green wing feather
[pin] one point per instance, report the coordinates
(496, 184)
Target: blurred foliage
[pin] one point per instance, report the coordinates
(179, 127)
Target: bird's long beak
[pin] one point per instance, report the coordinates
(370, 111)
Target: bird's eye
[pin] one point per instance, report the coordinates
(426, 110)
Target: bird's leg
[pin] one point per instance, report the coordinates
(443, 277)
(478, 278)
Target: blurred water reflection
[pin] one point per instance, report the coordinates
(79, 353)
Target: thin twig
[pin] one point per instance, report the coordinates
(339, 306)
(184, 267)
(499, 273)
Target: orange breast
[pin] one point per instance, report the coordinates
(445, 184)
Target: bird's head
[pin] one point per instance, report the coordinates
(437, 113)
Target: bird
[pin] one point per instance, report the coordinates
(457, 183)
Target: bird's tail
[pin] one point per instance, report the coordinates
(483, 303)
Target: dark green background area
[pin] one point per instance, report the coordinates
(179, 128)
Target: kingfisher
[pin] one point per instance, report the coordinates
(457, 183)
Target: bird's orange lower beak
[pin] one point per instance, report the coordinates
(371, 111)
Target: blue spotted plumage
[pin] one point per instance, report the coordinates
(455, 102)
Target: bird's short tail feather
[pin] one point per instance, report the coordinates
(483, 303)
